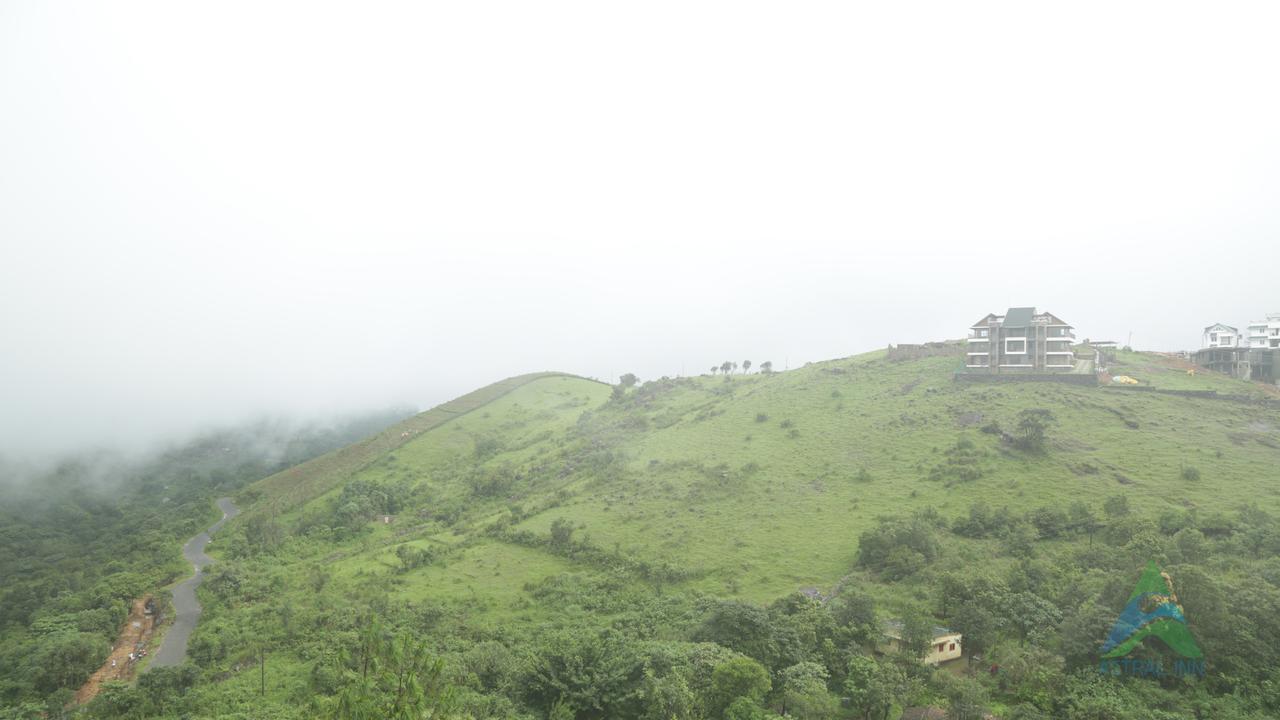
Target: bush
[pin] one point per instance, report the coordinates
(1032, 426)
(898, 547)
(1190, 472)
(561, 533)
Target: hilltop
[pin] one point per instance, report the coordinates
(550, 503)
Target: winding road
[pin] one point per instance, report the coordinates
(173, 649)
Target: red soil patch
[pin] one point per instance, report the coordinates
(134, 638)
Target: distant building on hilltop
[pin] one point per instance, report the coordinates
(1219, 335)
(1265, 334)
(1254, 355)
(1021, 341)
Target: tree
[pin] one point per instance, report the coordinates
(742, 627)
(65, 659)
(1032, 426)
(804, 692)
(746, 366)
(597, 674)
(857, 613)
(746, 709)
(740, 677)
(1083, 632)
(628, 380)
(872, 687)
(977, 624)
(766, 367)
(666, 697)
(726, 367)
(389, 677)
(917, 634)
(1029, 614)
(964, 699)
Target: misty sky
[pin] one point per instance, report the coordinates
(210, 211)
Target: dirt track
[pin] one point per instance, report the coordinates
(133, 638)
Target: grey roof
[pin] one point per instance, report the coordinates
(1221, 325)
(1019, 317)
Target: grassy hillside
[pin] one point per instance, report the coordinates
(550, 504)
(296, 485)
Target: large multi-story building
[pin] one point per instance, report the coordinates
(1265, 334)
(1020, 341)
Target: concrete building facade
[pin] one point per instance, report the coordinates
(1020, 341)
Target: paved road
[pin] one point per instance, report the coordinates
(173, 649)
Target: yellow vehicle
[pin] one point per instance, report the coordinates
(1124, 380)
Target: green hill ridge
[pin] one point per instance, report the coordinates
(550, 502)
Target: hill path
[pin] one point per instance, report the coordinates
(173, 649)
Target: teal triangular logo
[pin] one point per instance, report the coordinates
(1153, 610)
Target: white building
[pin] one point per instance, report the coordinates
(1219, 335)
(1265, 333)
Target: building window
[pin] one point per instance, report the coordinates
(953, 646)
(1015, 346)
(940, 646)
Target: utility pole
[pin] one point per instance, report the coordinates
(262, 670)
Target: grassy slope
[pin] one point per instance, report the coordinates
(692, 498)
(300, 484)
(757, 484)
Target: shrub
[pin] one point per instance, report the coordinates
(561, 533)
(1032, 426)
(891, 539)
(1190, 472)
